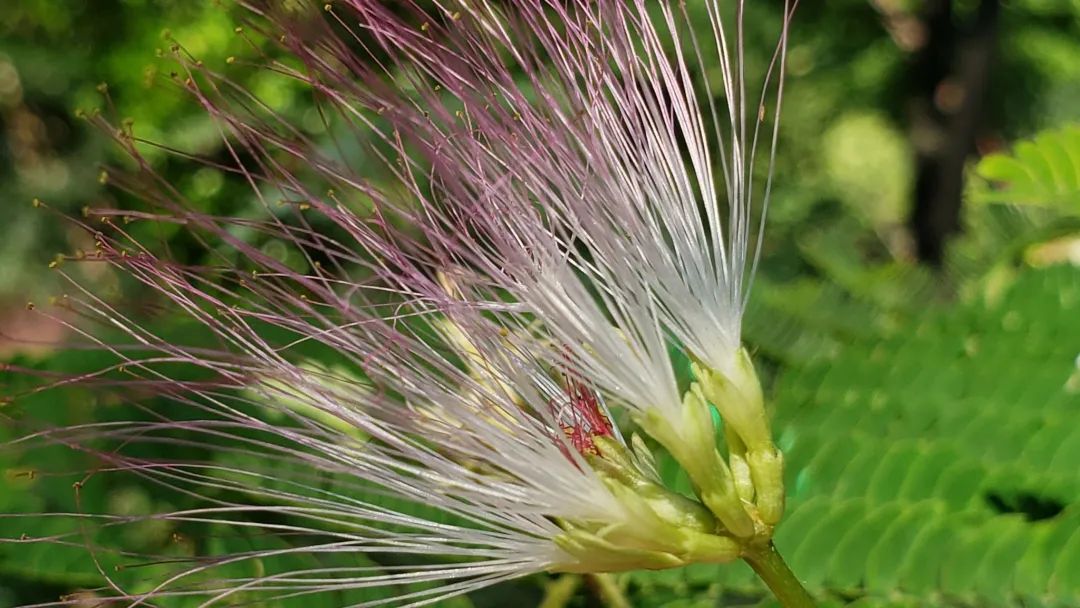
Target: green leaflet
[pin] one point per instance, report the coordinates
(937, 463)
(1043, 172)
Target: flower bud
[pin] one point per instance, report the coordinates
(657, 528)
(736, 393)
(767, 471)
(692, 442)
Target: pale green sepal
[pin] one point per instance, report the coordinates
(725, 504)
(647, 497)
(737, 394)
(740, 468)
(641, 543)
(767, 469)
(592, 553)
(710, 548)
(653, 527)
(692, 442)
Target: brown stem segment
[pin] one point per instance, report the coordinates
(766, 561)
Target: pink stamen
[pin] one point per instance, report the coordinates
(584, 419)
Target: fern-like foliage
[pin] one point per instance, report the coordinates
(1043, 172)
(933, 464)
(841, 296)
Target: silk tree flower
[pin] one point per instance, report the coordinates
(570, 201)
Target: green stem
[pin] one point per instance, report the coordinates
(560, 591)
(609, 591)
(772, 569)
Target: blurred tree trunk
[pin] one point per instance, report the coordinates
(950, 78)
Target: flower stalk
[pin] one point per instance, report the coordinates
(774, 571)
(609, 591)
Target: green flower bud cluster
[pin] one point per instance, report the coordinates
(745, 489)
(662, 529)
(740, 494)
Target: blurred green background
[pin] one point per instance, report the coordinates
(919, 328)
